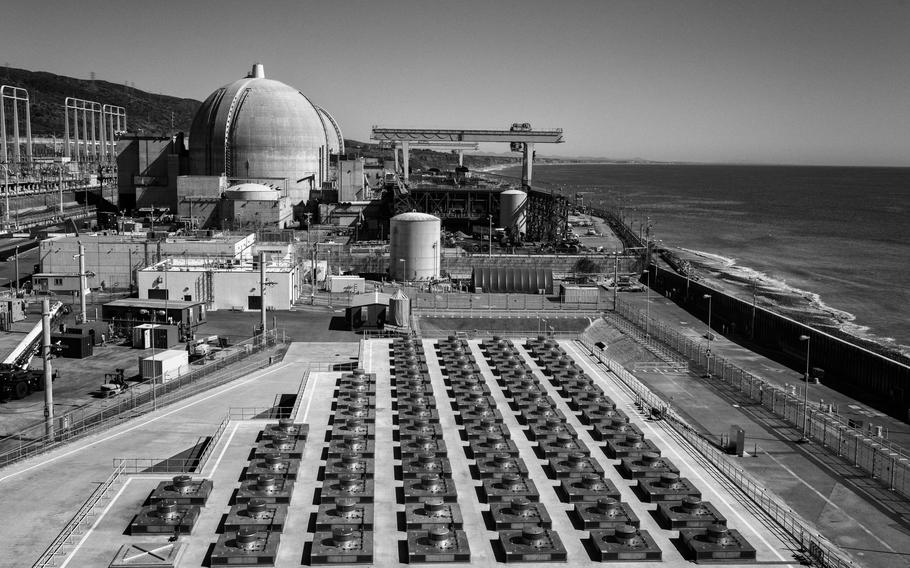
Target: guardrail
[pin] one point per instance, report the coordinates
(83, 516)
(878, 457)
(260, 412)
(138, 399)
(819, 549)
(507, 333)
(174, 465)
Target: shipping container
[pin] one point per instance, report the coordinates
(350, 284)
(158, 336)
(164, 366)
(579, 294)
(73, 345)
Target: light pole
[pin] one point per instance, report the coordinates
(708, 336)
(648, 303)
(805, 437)
(490, 251)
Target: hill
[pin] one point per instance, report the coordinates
(146, 113)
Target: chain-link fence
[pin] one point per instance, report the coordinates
(878, 457)
(139, 399)
(821, 551)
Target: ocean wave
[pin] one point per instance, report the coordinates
(776, 294)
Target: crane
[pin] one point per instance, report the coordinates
(521, 138)
(16, 381)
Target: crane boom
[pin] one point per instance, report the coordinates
(21, 355)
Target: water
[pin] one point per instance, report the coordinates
(829, 244)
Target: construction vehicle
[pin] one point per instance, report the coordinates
(114, 383)
(17, 381)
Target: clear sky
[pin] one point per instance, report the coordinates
(795, 81)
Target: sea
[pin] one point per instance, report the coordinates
(829, 245)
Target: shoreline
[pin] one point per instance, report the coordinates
(776, 295)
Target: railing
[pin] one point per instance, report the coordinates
(74, 527)
(138, 399)
(820, 550)
(260, 412)
(174, 465)
(304, 380)
(506, 333)
(878, 457)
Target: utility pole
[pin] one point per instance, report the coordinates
(48, 375)
(17, 271)
(82, 284)
(263, 321)
(313, 288)
(615, 277)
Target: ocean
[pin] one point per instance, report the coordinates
(827, 244)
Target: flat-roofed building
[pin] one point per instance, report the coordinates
(112, 260)
(221, 284)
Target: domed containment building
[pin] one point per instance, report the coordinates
(260, 129)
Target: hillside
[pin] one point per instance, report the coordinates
(163, 115)
(147, 113)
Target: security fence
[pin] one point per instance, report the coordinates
(880, 458)
(822, 552)
(139, 399)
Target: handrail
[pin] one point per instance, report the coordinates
(75, 524)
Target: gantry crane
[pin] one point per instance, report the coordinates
(520, 136)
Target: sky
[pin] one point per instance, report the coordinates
(796, 81)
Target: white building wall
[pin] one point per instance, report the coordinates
(110, 257)
(230, 289)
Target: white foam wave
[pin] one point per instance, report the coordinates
(727, 266)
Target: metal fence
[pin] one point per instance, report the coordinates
(447, 303)
(880, 458)
(823, 552)
(504, 333)
(174, 465)
(138, 399)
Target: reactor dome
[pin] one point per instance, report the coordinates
(259, 128)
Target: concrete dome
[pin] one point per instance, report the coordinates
(252, 192)
(260, 128)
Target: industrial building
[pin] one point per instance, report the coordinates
(111, 260)
(147, 170)
(221, 284)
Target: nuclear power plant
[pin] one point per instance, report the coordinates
(252, 344)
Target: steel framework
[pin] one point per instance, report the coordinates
(548, 216)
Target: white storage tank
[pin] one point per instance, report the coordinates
(513, 209)
(415, 247)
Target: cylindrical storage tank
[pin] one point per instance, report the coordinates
(414, 247)
(399, 310)
(513, 209)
